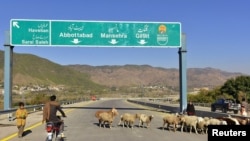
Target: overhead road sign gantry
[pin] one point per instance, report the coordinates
(95, 33)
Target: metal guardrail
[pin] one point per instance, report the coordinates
(36, 107)
(164, 100)
(175, 109)
(32, 108)
(10, 112)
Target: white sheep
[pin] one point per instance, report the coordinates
(202, 124)
(171, 119)
(189, 121)
(145, 119)
(215, 121)
(128, 119)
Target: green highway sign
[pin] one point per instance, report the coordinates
(28, 32)
(95, 33)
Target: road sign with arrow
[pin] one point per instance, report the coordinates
(95, 33)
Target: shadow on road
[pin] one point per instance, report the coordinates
(104, 108)
(26, 132)
(5, 125)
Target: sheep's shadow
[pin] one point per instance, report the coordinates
(178, 129)
(126, 126)
(103, 125)
(26, 132)
(170, 128)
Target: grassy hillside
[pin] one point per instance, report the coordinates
(30, 69)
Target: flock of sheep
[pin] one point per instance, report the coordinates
(196, 123)
(171, 121)
(126, 119)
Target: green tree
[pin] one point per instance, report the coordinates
(237, 87)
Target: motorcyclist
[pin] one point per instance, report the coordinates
(49, 113)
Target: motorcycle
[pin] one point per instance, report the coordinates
(53, 131)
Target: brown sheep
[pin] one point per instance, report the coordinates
(243, 120)
(229, 120)
(97, 113)
(106, 116)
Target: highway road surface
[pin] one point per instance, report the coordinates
(81, 124)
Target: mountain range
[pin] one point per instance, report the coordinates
(30, 69)
(135, 75)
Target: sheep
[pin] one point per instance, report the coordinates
(235, 121)
(247, 121)
(145, 119)
(215, 121)
(97, 113)
(106, 116)
(229, 120)
(171, 119)
(242, 120)
(122, 121)
(189, 121)
(202, 124)
(128, 119)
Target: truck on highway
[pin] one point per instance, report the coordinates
(225, 105)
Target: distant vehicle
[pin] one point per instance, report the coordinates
(225, 105)
(93, 98)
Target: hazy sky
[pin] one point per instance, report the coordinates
(217, 31)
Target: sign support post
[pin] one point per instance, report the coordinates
(8, 63)
(183, 74)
